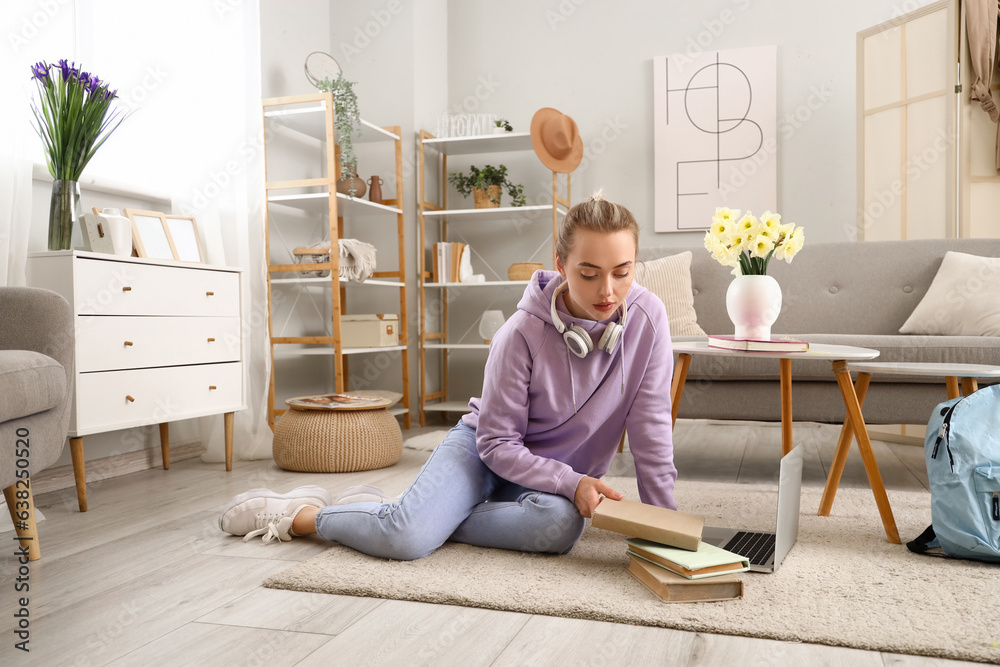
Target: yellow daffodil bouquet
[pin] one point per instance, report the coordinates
(748, 244)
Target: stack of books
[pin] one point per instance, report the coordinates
(446, 262)
(667, 556)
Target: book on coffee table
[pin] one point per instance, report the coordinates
(784, 344)
(658, 524)
(708, 561)
(671, 587)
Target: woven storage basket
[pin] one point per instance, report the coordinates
(482, 197)
(337, 440)
(523, 270)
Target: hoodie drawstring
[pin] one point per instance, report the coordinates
(572, 385)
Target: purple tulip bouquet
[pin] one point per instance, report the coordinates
(74, 116)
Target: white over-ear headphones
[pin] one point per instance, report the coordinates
(577, 339)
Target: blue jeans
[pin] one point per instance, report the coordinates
(455, 497)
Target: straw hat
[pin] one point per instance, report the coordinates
(556, 140)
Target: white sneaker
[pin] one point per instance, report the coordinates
(364, 494)
(264, 512)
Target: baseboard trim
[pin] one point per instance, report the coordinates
(896, 438)
(55, 479)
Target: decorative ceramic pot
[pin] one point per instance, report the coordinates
(121, 231)
(352, 186)
(64, 213)
(753, 304)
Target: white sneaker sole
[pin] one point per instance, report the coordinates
(317, 493)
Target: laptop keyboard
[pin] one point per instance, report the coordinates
(756, 547)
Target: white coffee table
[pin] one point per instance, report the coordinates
(839, 356)
(952, 374)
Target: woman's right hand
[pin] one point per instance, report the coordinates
(589, 494)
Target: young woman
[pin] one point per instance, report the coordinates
(586, 356)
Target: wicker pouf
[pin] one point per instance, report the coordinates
(342, 440)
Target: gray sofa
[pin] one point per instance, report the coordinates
(36, 379)
(856, 294)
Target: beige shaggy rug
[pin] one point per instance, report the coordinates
(842, 584)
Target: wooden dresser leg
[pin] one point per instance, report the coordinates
(165, 445)
(79, 473)
(229, 440)
(26, 528)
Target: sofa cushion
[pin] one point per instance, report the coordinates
(30, 382)
(924, 349)
(669, 278)
(962, 299)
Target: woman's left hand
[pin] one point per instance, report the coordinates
(589, 494)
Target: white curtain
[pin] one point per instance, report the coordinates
(190, 72)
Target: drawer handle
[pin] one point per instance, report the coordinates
(128, 343)
(126, 289)
(129, 398)
(211, 386)
(209, 293)
(211, 340)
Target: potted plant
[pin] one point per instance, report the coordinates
(485, 184)
(346, 121)
(502, 125)
(74, 116)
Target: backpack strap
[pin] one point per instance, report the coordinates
(927, 544)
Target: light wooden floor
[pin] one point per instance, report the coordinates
(147, 578)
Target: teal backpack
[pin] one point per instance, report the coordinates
(962, 450)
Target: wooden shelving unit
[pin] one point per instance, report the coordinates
(438, 401)
(313, 116)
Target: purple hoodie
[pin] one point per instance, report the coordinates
(547, 418)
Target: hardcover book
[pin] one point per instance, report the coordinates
(708, 561)
(657, 524)
(671, 587)
(758, 344)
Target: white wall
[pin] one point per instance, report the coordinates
(592, 60)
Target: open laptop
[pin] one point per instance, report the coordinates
(766, 550)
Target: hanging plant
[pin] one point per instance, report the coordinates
(346, 119)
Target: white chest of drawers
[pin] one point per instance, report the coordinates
(156, 342)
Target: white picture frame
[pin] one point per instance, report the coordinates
(714, 134)
(184, 232)
(151, 235)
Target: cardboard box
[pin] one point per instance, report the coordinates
(369, 330)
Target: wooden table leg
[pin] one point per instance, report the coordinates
(79, 473)
(165, 444)
(26, 529)
(951, 382)
(677, 385)
(229, 440)
(786, 406)
(865, 447)
(843, 446)
(969, 386)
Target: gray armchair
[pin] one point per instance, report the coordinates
(36, 382)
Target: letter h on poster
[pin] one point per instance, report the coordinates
(714, 132)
